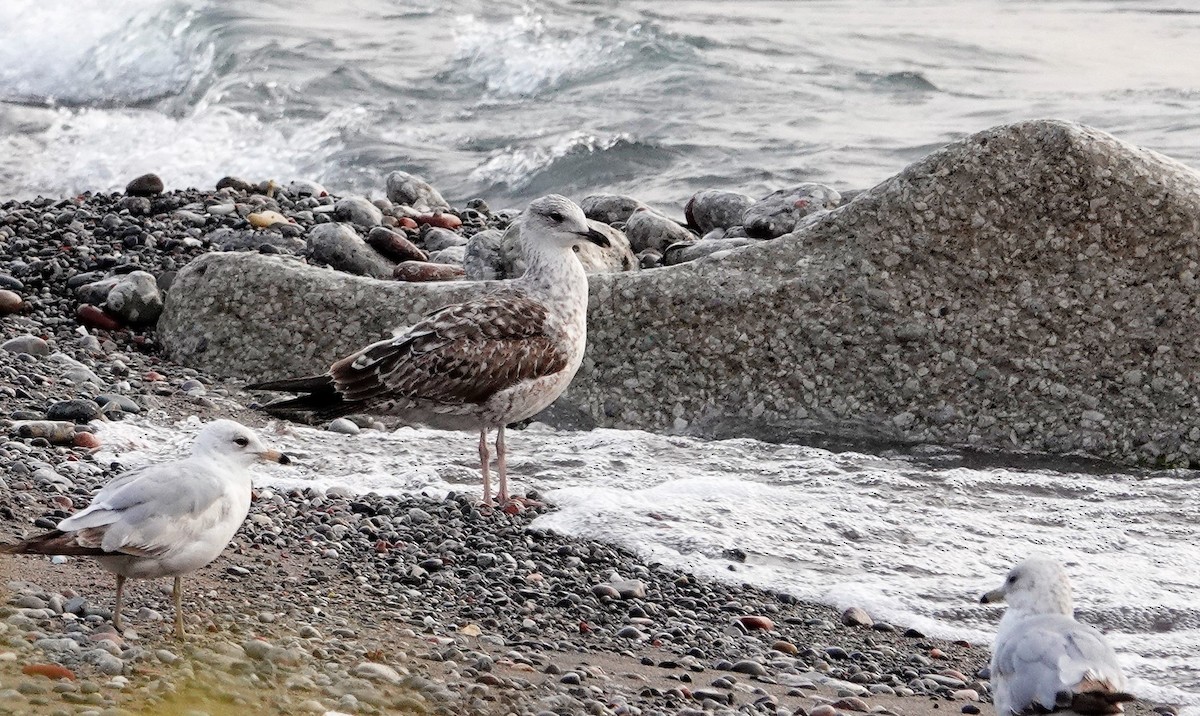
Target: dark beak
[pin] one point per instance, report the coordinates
(597, 238)
(276, 456)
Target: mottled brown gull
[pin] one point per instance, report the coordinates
(167, 519)
(1043, 660)
(478, 365)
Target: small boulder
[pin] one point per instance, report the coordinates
(145, 185)
(393, 245)
(857, 616)
(358, 211)
(780, 212)
(609, 208)
(647, 229)
(29, 344)
(135, 299)
(715, 209)
(449, 255)
(339, 246)
(97, 291)
(436, 239)
(405, 188)
(10, 302)
(234, 183)
(303, 187)
(482, 260)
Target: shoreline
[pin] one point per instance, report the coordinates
(324, 589)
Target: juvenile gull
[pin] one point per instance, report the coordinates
(165, 520)
(1043, 660)
(477, 365)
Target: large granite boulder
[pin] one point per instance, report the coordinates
(1032, 287)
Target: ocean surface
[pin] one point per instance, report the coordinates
(913, 539)
(509, 100)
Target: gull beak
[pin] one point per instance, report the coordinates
(276, 456)
(596, 238)
(992, 597)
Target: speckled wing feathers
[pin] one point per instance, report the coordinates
(462, 354)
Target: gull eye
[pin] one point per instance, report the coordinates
(556, 215)
(241, 442)
(1012, 579)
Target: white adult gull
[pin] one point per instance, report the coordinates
(478, 365)
(167, 519)
(1043, 660)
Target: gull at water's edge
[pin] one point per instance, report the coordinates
(1043, 660)
(167, 519)
(477, 365)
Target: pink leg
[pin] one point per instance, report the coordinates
(502, 465)
(483, 466)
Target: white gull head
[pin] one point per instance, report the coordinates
(1035, 586)
(555, 221)
(233, 442)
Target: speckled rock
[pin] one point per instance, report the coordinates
(404, 188)
(135, 299)
(782, 211)
(340, 246)
(1026, 288)
(715, 209)
(145, 185)
(357, 211)
(609, 208)
(482, 260)
(647, 229)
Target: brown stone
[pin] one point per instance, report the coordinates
(50, 671)
(94, 317)
(441, 220)
(757, 623)
(145, 185)
(394, 246)
(9, 302)
(86, 440)
(423, 271)
(856, 616)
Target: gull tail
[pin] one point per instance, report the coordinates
(320, 398)
(52, 542)
(1096, 697)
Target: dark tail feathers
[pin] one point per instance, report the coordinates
(320, 400)
(1099, 701)
(52, 542)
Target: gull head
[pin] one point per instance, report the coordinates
(232, 441)
(557, 221)
(1035, 586)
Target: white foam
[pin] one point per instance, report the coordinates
(516, 167)
(912, 545)
(115, 52)
(102, 149)
(529, 56)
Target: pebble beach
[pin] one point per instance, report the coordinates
(881, 301)
(359, 603)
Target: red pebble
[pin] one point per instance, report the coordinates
(753, 623)
(153, 376)
(445, 221)
(86, 440)
(422, 271)
(94, 317)
(585, 628)
(936, 653)
(50, 671)
(406, 222)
